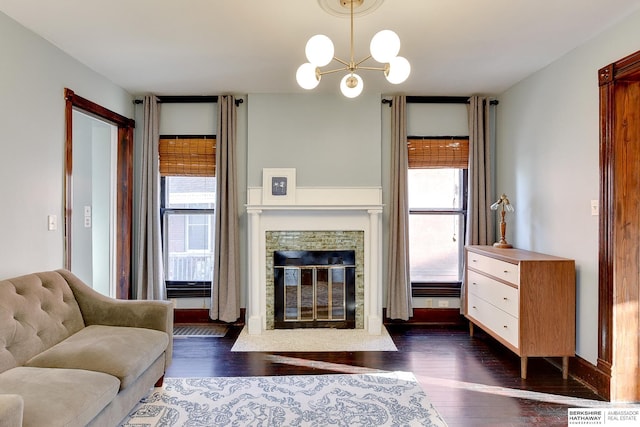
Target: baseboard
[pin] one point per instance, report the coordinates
(199, 315)
(588, 374)
(592, 376)
(432, 316)
(421, 316)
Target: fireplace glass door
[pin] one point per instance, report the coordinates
(314, 293)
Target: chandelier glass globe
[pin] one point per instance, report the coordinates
(306, 76)
(319, 50)
(399, 70)
(384, 46)
(351, 85)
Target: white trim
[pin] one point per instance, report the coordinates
(320, 198)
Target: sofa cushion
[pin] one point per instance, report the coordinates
(11, 410)
(59, 397)
(37, 311)
(119, 351)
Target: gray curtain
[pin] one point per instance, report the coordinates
(225, 291)
(480, 227)
(149, 271)
(398, 281)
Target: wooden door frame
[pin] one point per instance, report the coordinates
(124, 184)
(611, 290)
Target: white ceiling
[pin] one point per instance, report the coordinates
(205, 47)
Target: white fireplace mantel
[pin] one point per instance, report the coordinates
(316, 209)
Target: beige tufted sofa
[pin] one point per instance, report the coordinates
(72, 357)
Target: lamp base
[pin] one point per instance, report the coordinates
(502, 245)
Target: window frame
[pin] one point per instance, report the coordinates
(179, 288)
(444, 288)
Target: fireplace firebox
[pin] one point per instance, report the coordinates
(314, 289)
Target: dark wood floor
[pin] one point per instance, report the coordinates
(471, 381)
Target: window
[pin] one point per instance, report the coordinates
(188, 187)
(437, 180)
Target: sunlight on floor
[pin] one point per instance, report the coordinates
(574, 402)
(327, 366)
(522, 394)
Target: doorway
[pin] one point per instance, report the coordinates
(619, 242)
(94, 156)
(98, 195)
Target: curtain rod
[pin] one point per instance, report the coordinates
(184, 136)
(188, 99)
(438, 100)
(435, 138)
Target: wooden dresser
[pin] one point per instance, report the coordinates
(525, 300)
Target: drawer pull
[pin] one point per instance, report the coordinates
(474, 260)
(505, 298)
(505, 326)
(474, 307)
(506, 271)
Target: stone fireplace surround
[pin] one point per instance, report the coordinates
(315, 209)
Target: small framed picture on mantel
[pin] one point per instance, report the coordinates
(278, 186)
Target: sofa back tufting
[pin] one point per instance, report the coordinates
(37, 311)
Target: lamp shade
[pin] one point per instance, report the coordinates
(306, 76)
(384, 46)
(399, 70)
(319, 50)
(351, 85)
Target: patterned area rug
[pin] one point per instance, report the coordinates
(322, 339)
(195, 330)
(385, 399)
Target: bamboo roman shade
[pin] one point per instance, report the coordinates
(438, 153)
(188, 156)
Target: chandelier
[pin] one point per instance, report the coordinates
(384, 48)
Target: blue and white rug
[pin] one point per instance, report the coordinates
(384, 399)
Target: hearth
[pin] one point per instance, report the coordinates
(314, 289)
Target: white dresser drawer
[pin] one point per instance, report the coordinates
(499, 322)
(495, 267)
(502, 296)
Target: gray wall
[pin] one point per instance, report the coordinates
(33, 76)
(329, 139)
(547, 163)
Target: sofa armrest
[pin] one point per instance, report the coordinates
(98, 309)
(11, 409)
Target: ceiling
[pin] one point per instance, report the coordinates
(208, 47)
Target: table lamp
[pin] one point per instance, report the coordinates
(503, 203)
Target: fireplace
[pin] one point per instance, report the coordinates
(314, 289)
(316, 219)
